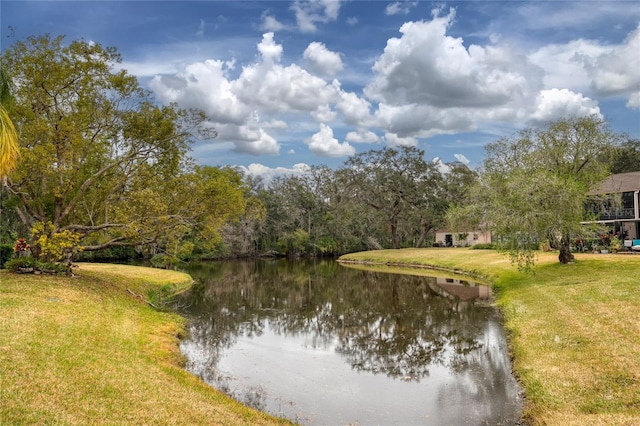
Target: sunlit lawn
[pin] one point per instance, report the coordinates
(574, 329)
(83, 350)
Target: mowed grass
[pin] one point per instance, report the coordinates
(574, 329)
(84, 351)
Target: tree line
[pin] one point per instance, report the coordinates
(92, 166)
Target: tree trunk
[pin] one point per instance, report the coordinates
(424, 231)
(565, 255)
(395, 241)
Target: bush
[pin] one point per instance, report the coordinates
(53, 268)
(6, 252)
(615, 244)
(30, 265)
(483, 247)
(21, 264)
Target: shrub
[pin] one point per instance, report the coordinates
(483, 247)
(53, 268)
(30, 265)
(54, 245)
(21, 264)
(6, 252)
(615, 244)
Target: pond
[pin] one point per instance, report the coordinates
(321, 343)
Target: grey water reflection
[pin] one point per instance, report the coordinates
(320, 343)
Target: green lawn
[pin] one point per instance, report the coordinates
(83, 350)
(574, 329)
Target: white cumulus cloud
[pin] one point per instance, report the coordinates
(428, 67)
(556, 104)
(634, 101)
(394, 140)
(269, 173)
(616, 70)
(324, 114)
(325, 145)
(271, 23)
(322, 60)
(362, 136)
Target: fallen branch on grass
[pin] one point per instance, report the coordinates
(142, 298)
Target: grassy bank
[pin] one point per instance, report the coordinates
(84, 350)
(575, 329)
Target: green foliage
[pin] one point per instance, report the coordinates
(615, 244)
(28, 264)
(161, 296)
(327, 245)
(52, 245)
(402, 188)
(109, 254)
(295, 243)
(18, 264)
(483, 247)
(626, 157)
(6, 252)
(110, 163)
(53, 268)
(534, 186)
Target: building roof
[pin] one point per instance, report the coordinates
(623, 182)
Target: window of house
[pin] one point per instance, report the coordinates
(627, 200)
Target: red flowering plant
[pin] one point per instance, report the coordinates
(21, 245)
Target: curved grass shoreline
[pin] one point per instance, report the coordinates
(83, 350)
(574, 330)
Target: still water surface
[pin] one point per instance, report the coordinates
(324, 344)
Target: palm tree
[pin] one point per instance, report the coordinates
(9, 145)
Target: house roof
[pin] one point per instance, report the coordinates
(623, 182)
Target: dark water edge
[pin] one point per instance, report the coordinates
(324, 344)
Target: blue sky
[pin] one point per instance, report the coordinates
(294, 83)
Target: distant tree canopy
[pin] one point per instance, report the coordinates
(534, 185)
(385, 198)
(101, 165)
(626, 157)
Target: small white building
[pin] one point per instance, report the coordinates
(446, 238)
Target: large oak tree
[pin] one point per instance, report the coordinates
(100, 159)
(401, 186)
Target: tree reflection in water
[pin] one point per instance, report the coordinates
(396, 325)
